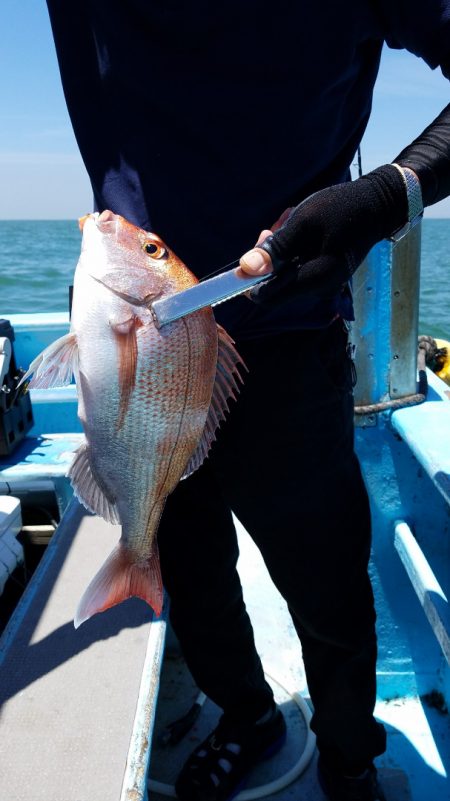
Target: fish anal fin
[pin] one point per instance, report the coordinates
(226, 386)
(56, 364)
(87, 489)
(119, 578)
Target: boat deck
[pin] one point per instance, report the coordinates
(78, 704)
(69, 697)
(417, 761)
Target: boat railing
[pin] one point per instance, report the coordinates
(405, 455)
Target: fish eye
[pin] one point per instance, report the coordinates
(154, 250)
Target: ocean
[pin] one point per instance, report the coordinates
(38, 259)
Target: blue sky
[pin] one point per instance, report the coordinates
(41, 173)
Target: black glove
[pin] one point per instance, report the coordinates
(329, 234)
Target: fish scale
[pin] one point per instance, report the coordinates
(149, 427)
(150, 400)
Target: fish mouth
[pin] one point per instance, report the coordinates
(107, 222)
(107, 216)
(82, 220)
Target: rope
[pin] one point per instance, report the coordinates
(277, 784)
(408, 400)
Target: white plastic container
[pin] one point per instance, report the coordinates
(11, 551)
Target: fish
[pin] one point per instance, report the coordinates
(150, 400)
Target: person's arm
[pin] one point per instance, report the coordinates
(327, 236)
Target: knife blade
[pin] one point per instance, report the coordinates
(209, 292)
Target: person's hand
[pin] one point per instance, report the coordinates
(324, 239)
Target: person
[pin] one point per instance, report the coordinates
(204, 123)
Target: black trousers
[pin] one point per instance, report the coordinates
(284, 463)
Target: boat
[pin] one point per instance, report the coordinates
(109, 712)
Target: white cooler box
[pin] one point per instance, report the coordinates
(11, 551)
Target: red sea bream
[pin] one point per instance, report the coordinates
(149, 399)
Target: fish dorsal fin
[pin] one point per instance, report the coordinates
(56, 364)
(87, 489)
(226, 386)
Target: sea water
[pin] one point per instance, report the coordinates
(38, 260)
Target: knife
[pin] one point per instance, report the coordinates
(209, 292)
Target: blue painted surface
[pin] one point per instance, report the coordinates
(55, 410)
(406, 465)
(410, 659)
(376, 323)
(432, 597)
(426, 429)
(46, 457)
(39, 457)
(34, 332)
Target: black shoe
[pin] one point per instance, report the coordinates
(219, 767)
(338, 787)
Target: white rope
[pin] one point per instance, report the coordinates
(277, 784)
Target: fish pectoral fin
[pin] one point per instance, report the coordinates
(56, 364)
(119, 578)
(87, 489)
(226, 386)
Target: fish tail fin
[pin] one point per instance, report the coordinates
(121, 577)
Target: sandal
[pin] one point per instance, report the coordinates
(339, 787)
(219, 767)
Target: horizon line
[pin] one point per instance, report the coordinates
(75, 219)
